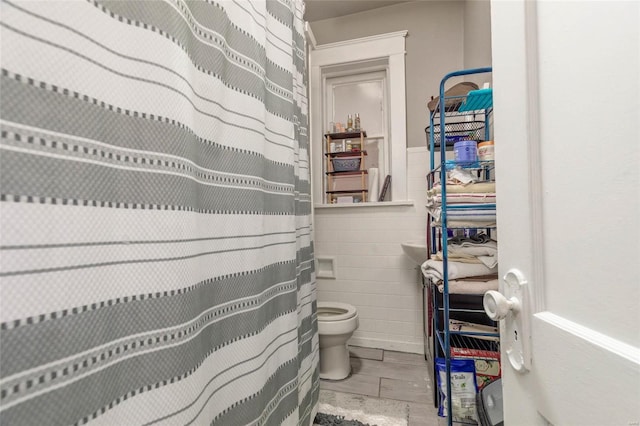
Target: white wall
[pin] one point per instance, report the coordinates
(477, 37)
(434, 45)
(373, 274)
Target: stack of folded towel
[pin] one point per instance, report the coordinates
(479, 248)
(470, 195)
(465, 286)
(472, 266)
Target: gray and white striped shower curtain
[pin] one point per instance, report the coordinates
(156, 261)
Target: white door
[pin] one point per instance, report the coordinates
(567, 117)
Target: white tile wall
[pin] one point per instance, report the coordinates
(373, 274)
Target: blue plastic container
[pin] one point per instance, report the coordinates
(465, 151)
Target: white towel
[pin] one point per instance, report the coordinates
(433, 269)
(486, 253)
(464, 224)
(459, 176)
(469, 287)
(462, 258)
(475, 188)
(482, 216)
(490, 261)
(463, 197)
(487, 248)
(373, 184)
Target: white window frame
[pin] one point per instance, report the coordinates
(332, 80)
(388, 47)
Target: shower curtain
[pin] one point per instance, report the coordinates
(155, 215)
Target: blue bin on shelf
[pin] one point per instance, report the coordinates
(477, 100)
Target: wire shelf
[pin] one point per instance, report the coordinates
(463, 341)
(470, 165)
(456, 131)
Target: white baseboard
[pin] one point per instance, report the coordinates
(389, 345)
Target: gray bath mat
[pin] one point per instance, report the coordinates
(331, 420)
(359, 410)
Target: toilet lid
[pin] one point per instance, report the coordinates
(334, 311)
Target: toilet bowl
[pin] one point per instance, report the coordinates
(336, 324)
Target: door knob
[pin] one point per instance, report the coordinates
(497, 306)
(511, 309)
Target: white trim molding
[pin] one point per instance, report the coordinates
(409, 346)
(365, 205)
(310, 37)
(394, 43)
(592, 337)
(588, 357)
(389, 48)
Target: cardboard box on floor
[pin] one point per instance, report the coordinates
(487, 364)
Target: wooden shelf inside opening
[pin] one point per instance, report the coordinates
(345, 154)
(349, 173)
(348, 191)
(346, 135)
(357, 188)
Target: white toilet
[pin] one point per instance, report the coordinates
(336, 324)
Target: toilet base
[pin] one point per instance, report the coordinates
(334, 362)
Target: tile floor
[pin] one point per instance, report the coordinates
(391, 375)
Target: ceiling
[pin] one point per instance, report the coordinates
(317, 10)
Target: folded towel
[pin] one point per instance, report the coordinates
(471, 252)
(461, 257)
(489, 261)
(463, 197)
(465, 224)
(472, 239)
(465, 218)
(486, 253)
(460, 176)
(472, 187)
(469, 287)
(466, 214)
(477, 249)
(433, 269)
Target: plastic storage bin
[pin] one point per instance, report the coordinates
(489, 405)
(465, 151)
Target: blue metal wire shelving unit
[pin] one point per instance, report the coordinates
(467, 115)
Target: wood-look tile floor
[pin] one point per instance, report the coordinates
(391, 375)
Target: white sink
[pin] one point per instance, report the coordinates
(416, 250)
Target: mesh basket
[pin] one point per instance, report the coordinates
(455, 132)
